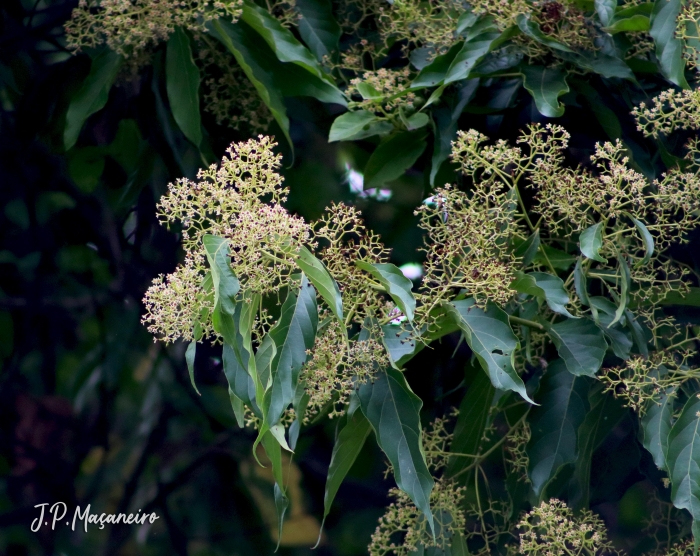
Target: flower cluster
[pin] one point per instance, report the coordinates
(671, 110)
(387, 89)
(552, 528)
(688, 31)
(131, 26)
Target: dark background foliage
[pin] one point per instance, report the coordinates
(93, 412)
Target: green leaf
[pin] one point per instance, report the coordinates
(545, 85)
(280, 39)
(683, 461)
(669, 49)
(559, 259)
(347, 447)
(581, 344)
(528, 249)
(471, 422)
(482, 40)
(356, 125)
(238, 42)
(182, 84)
(605, 10)
(606, 411)
(434, 73)
(401, 345)
(626, 283)
(318, 275)
(591, 240)
(394, 155)
(317, 26)
(491, 338)
(240, 383)
(274, 453)
(226, 286)
(633, 24)
(93, 94)
(531, 29)
(544, 286)
(416, 121)
(281, 505)
(637, 331)
(189, 358)
(554, 424)
(647, 239)
(293, 334)
(395, 283)
(393, 410)
(655, 426)
(607, 118)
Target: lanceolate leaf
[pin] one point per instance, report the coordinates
(182, 84)
(325, 284)
(491, 338)
(317, 26)
(531, 29)
(225, 283)
(240, 383)
(545, 286)
(554, 424)
(581, 344)
(472, 52)
(669, 49)
(274, 453)
(591, 240)
(528, 249)
(347, 447)
(655, 426)
(293, 335)
(93, 94)
(624, 289)
(189, 358)
(396, 284)
(233, 38)
(545, 85)
(683, 461)
(646, 238)
(394, 155)
(393, 410)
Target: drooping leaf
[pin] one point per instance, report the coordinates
(545, 286)
(240, 382)
(531, 29)
(591, 240)
(394, 155)
(581, 344)
(626, 283)
(528, 249)
(189, 358)
(318, 275)
(225, 283)
(669, 48)
(317, 27)
(234, 38)
(274, 453)
(545, 85)
(281, 505)
(482, 40)
(683, 461)
(647, 239)
(347, 447)
(434, 73)
(356, 125)
(554, 424)
(293, 335)
(606, 411)
(182, 85)
(640, 339)
(491, 338)
(655, 426)
(396, 284)
(393, 410)
(471, 421)
(401, 345)
(93, 94)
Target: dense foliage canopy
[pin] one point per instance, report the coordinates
(422, 276)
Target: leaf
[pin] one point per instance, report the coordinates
(633, 24)
(559, 259)
(683, 461)
(240, 383)
(234, 38)
(318, 275)
(647, 239)
(317, 27)
(401, 345)
(395, 283)
(581, 344)
(471, 422)
(446, 118)
(531, 29)
(394, 155)
(626, 283)
(356, 125)
(226, 286)
(606, 411)
(393, 410)
(434, 73)
(293, 334)
(607, 118)
(182, 84)
(274, 453)
(528, 249)
(591, 240)
(656, 425)
(416, 121)
(669, 48)
(605, 10)
(281, 40)
(554, 424)
(491, 338)
(347, 447)
(281, 505)
(545, 286)
(189, 358)
(637, 331)
(545, 85)
(482, 40)
(93, 94)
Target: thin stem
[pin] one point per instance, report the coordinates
(525, 322)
